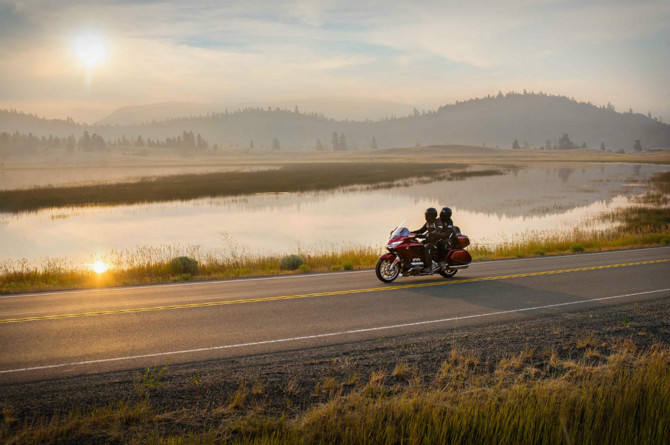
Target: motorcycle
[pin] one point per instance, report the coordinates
(405, 253)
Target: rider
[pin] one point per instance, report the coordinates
(433, 231)
(448, 238)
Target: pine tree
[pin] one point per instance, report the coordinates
(373, 144)
(336, 142)
(515, 145)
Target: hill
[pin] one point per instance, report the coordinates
(352, 108)
(531, 119)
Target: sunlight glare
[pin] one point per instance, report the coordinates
(100, 267)
(90, 48)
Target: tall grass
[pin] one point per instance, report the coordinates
(646, 223)
(619, 398)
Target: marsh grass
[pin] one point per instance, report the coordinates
(647, 223)
(302, 177)
(614, 395)
(148, 265)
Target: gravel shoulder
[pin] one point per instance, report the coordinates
(291, 382)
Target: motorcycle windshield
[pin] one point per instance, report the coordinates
(400, 230)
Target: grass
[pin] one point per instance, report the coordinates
(647, 223)
(614, 395)
(289, 178)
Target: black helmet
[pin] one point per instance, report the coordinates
(431, 214)
(445, 213)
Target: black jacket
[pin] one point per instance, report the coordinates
(433, 231)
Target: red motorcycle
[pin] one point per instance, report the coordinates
(406, 251)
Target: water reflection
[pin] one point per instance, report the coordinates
(489, 209)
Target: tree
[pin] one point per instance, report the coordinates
(251, 143)
(70, 144)
(516, 145)
(343, 142)
(602, 146)
(139, 142)
(373, 144)
(637, 146)
(275, 144)
(583, 145)
(336, 142)
(564, 143)
(319, 145)
(85, 142)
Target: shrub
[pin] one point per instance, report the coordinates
(577, 248)
(184, 265)
(290, 262)
(348, 265)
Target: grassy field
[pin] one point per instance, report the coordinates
(618, 397)
(289, 178)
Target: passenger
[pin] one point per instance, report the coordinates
(433, 231)
(448, 238)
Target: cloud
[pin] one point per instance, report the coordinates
(255, 50)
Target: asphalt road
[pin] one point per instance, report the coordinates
(57, 334)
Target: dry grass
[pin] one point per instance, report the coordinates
(645, 224)
(614, 395)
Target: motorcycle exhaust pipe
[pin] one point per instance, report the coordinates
(462, 266)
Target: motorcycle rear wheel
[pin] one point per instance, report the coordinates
(448, 273)
(385, 270)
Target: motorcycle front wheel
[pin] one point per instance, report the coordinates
(386, 271)
(448, 273)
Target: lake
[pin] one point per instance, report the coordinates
(542, 199)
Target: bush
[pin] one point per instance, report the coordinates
(348, 265)
(290, 262)
(577, 248)
(184, 265)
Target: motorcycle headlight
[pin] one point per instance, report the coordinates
(394, 244)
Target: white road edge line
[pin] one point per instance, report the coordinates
(329, 334)
(285, 277)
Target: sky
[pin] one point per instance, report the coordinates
(84, 59)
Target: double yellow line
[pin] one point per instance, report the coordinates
(320, 294)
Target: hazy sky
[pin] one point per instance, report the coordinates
(85, 58)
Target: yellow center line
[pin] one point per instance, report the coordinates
(321, 294)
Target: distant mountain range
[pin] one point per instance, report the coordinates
(341, 108)
(531, 119)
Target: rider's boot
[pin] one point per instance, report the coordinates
(427, 262)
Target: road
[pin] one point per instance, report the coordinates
(58, 334)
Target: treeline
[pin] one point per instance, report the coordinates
(487, 121)
(18, 143)
(565, 143)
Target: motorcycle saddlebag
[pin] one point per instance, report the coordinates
(458, 257)
(463, 241)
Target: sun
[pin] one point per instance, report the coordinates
(99, 267)
(90, 48)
